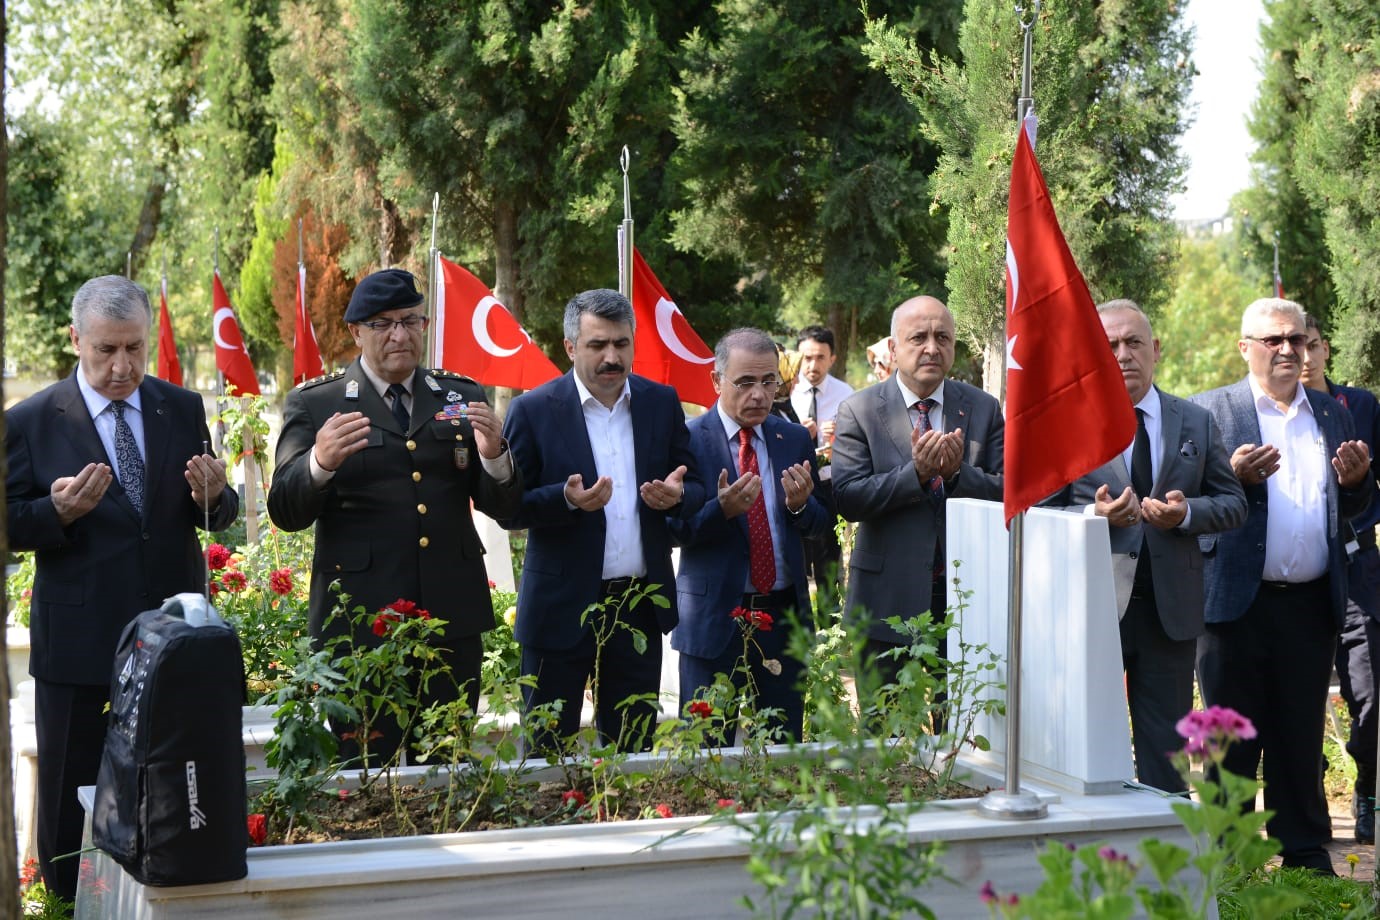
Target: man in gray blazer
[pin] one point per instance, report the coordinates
(901, 448)
(1277, 585)
(1172, 482)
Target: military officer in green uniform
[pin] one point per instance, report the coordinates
(385, 458)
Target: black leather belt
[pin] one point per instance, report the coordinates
(617, 587)
(776, 600)
(1288, 586)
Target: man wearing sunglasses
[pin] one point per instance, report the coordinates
(1277, 585)
(385, 458)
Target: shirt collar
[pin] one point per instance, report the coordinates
(586, 395)
(1150, 403)
(1264, 400)
(731, 428)
(380, 385)
(95, 402)
(910, 399)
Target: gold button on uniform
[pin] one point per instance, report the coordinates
(416, 476)
(411, 444)
(421, 509)
(423, 542)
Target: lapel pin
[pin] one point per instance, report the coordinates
(431, 383)
(352, 389)
(452, 396)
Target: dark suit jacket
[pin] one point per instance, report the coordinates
(99, 572)
(394, 521)
(1364, 571)
(1236, 558)
(714, 549)
(890, 571)
(1194, 462)
(563, 569)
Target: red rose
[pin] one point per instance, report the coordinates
(573, 795)
(762, 620)
(343, 793)
(401, 606)
(729, 803)
(664, 811)
(280, 581)
(258, 829)
(740, 614)
(217, 556)
(701, 709)
(234, 582)
(381, 623)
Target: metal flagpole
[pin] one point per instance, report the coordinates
(625, 233)
(432, 272)
(220, 375)
(129, 264)
(1010, 803)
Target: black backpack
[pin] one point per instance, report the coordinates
(170, 796)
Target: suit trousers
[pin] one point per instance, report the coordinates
(1273, 666)
(70, 722)
(823, 555)
(1159, 690)
(618, 671)
(1357, 649)
(782, 692)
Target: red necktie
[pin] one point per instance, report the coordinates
(922, 424)
(761, 557)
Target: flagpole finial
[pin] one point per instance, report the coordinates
(1026, 101)
(625, 230)
(624, 161)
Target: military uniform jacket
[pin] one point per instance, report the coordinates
(394, 521)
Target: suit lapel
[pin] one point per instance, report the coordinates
(75, 423)
(895, 418)
(157, 431)
(426, 402)
(369, 401)
(955, 410)
(569, 419)
(711, 430)
(1171, 433)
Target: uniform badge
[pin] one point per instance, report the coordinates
(431, 383)
(352, 389)
(453, 396)
(462, 458)
(451, 411)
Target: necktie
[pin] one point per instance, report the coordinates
(761, 556)
(922, 424)
(1141, 478)
(814, 410)
(127, 457)
(398, 391)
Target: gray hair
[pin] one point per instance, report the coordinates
(112, 296)
(744, 338)
(601, 302)
(1271, 306)
(1129, 306)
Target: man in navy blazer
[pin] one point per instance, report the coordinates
(605, 461)
(1276, 586)
(108, 480)
(716, 576)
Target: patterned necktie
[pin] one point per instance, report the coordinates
(127, 457)
(761, 556)
(398, 392)
(922, 424)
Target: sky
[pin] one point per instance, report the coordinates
(1226, 52)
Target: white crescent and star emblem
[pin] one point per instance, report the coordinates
(221, 316)
(480, 326)
(1013, 283)
(665, 312)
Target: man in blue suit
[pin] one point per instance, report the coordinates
(605, 462)
(1358, 646)
(1276, 586)
(743, 551)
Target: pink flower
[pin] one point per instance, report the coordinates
(492, 584)
(987, 894)
(1209, 732)
(344, 794)
(664, 811)
(701, 709)
(217, 556)
(258, 829)
(280, 581)
(573, 796)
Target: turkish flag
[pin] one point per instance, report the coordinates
(232, 358)
(169, 367)
(665, 348)
(306, 355)
(1067, 411)
(477, 335)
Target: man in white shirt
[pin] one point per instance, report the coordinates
(1276, 586)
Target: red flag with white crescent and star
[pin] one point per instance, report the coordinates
(665, 348)
(1067, 411)
(306, 354)
(169, 366)
(476, 335)
(232, 358)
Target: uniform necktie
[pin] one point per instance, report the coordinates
(398, 391)
(1141, 471)
(761, 556)
(127, 457)
(922, 424)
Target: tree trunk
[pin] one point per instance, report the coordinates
(506, 280)
(836, 324)
(994, 365)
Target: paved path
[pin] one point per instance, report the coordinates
(1344, 843)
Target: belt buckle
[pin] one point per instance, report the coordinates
(757, 601)
(617, 586)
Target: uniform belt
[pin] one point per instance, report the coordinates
(617, 587)
(776, 600)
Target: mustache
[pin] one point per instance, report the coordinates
(609, 368)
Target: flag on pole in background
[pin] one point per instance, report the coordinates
(665, 348)
(1279, 281)
(232, 358)
(477, 336)
(306, 354)
(169, 367)
(1067, 411)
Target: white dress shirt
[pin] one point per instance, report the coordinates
(832, 392)
(611, 439)
(103, 417)
(775, 522)
(1296, 526)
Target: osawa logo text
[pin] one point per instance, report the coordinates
(196, 817)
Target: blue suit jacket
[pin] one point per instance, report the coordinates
(1235, 559)
(714, 554)
(563, 568)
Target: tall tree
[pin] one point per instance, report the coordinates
(1110, 82)
(1274, 203)
(802, 162)
(1337, 164)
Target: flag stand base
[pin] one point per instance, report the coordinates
(1004, 806)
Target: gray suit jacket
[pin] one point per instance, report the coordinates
(1235, 559)
(890, 571)
(1193, 461)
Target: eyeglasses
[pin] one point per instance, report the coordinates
(1275, 342)
(412, 322)
(768, 384)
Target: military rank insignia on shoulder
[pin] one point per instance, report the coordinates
(442, 372)
(317, 381)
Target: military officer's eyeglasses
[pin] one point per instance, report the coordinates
(769, 384)
(1276, 342)
(411, 323)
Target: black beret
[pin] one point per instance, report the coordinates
(389, 289)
